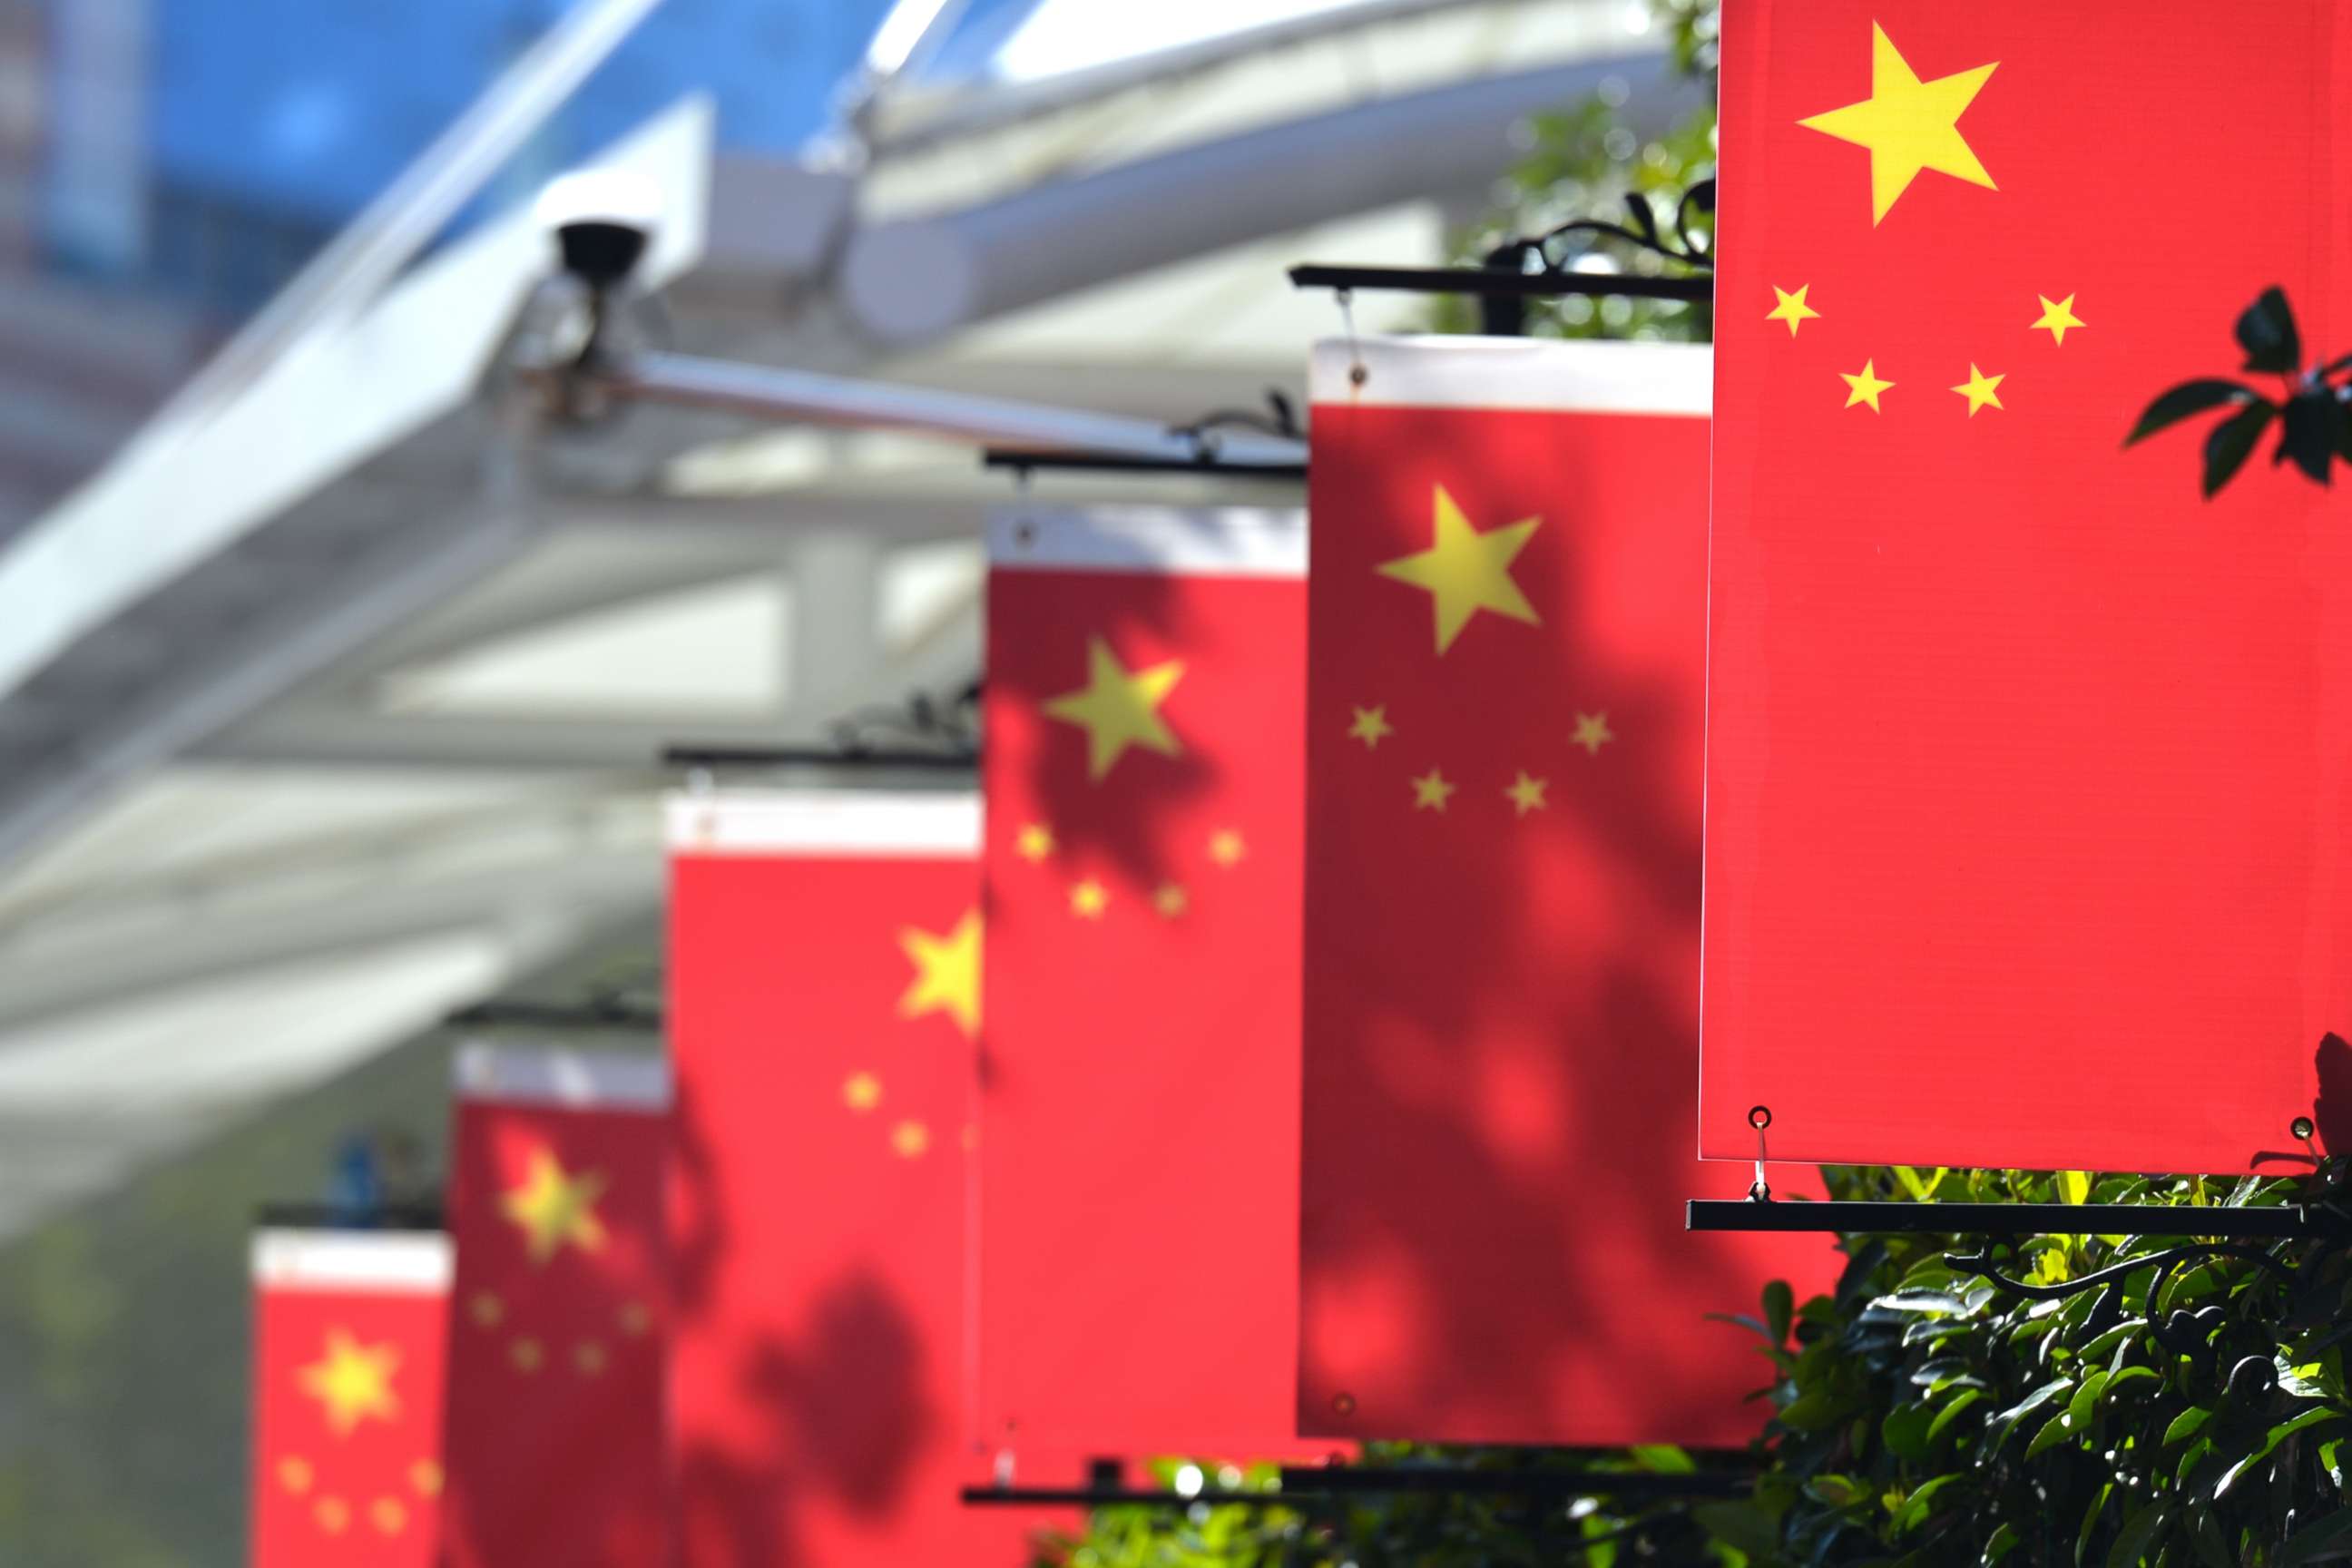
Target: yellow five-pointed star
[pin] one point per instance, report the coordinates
(1792, 308)
(1226, 849)
(1466, 570)
(861, 1091)
(1430, 790)
(1527, 794)
(2057, 317)
(355, 1382)
(555, 1209)
(1118, 709)
(1907, 124)
(946, 973)
(1034, 841)
(1981, 389)
(1592, 733)
(1866, 386)
(1171, 901)
(1371, 727)
(1088, 900)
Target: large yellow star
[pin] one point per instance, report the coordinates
(947, 973)
(1118, 709)
(1907, 124)
(1430, 790)
(2057, 316)
(1980, 390)
(1592, 732)
(1526, 793)
(1866, 386)
(555, 1209)
(1466, 570)
(353, 1382)
(1792, 308)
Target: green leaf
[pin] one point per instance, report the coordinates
(2232, 440)
(2004, 1541)
(1906, 1430)
(2138, 1536)
(1779, 1307)
(2271, 1440)
(2268, 334)
(2073, 1186)
(1837, 1491)
(1743, 1526)
(2090, 1521)
(1921, 1301)
(1951, 1411)
(1915, 1509)
(2054, 1432)
(2008, 1419)
(2327, 1540)
(2307, 433)
(2186, 1424)
(2079, 1409)
(2190, 397)
(1662, 1459)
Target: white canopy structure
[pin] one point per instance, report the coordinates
(335, 700)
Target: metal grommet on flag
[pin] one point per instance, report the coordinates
(1357, 371)
(1760, 1117)
(2302, 1129)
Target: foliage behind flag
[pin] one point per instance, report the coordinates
(554, 1430)
(2026, 802)
(1139, 1088)
(1502, 981)
(825, 994)
(348, 1332)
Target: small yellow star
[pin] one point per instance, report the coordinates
(910, 1139)
(1527, 794)
(1088, 900)
(334, 1514)
(862, 1091)
(389, 1515)
(588, 1357)
(1430, 790)
(1118, 709)
(527, 1354)
(353, 1382)
(947, 973)
(1908, 125)
(1866, 386)
(295, 1474)
(1465, 571)
(1592, 732)
(487, 1309)
(1035, 842)
(426, 1477)
(1226, 849)
(1371, 727)
(635, 1319)
(2057, 318)
(555, 1209)
(1792, 308)
(1171, 901)
(1980, 390)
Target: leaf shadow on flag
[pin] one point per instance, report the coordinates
(1503, 1065)
(830, 1417)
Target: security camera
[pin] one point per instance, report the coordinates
(603, 220)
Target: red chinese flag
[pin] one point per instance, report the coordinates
(348, 1328)
(1503, 895)
(2026, 809)
(553, 1436)
(1139, 1090)
(825, 996)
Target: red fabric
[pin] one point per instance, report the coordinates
(818, 1197)
(362, 1488)
(554, 1439)
(2026, 810)
(1140, 1131)
(1501, 1016)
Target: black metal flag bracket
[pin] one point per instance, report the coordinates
(424, 1216)
(925, 734)
(1307, 1485)
(603, 1012)
(1204, 436)
(2275, 1223)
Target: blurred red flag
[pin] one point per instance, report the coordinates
(554, 1435)
(1502, 907)
(825, 994)
(1140, 1095)
(347, 1330)
(2026, 804)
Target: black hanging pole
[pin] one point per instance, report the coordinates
(348, 1217)
(921, 760)
(1026, 460)
(1493, 282)
(1462, 1480)
(2281, 1223)
(615, 1016)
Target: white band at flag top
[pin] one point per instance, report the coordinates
(1550, 377)
(1210, 541)
(575, 1080)
(403, 1261)
(917, 824)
